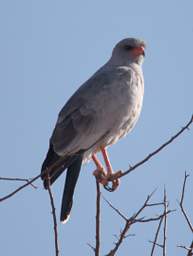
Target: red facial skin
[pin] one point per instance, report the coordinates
(138, 51)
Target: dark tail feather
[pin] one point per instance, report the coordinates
(58, 168)
(71, 180)
(56, 165)
(50, 159)
(57, 171)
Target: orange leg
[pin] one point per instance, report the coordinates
(103, 177)
(97, 162)
(113, 177)
(99, 173)
(107, 162)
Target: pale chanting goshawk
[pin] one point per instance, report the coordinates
(104, 109)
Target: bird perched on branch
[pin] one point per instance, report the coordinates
(104, 109)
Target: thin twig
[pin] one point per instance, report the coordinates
(132, 168)
(159, 245)
(91, 247)
(182, 201)
(144, 205)
(54, 218)
(190, 252)
(20, 188)
(18, 179)
(122, 236)
(142, 220)
(98, 201)
(188, 249)
(165, 223)
(47, 171)
(133, 219)
(156, 236)
(115, 209)
(163, 218)
(155, 204)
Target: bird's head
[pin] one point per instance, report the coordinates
(129, 50)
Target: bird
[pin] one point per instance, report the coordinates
(104, 109)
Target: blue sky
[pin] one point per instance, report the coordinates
(47, 50)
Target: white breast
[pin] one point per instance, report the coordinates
(129, 99)
(136, 92)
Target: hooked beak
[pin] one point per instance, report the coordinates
(139, 51)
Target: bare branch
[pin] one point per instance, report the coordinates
(123, 233)
(165, 223)
(188, 249)
(61, 162)
(115, 209)
(122, 236)
(47, 171)
(18, 179)
(128, 221)
(96, 249)
(133, 219)
(54, 218)
(163, 219)
(182, 201)
(143, 220)
(184, 247)
(144, 205)
(98, 201)
(159, 245)
(91, 247)
(156, 236)
(155, 152)
(155, 204)
(20, 188)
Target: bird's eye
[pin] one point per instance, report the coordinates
(128, 47)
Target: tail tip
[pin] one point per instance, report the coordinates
(65, 219)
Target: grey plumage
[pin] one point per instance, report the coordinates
(104, 109)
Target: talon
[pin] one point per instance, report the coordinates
(100, 176)
(114, 179)
(115, 184)
(108, 188)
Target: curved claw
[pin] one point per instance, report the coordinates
(105, 180)
(108, 188)
(115, 180)
(114, 186)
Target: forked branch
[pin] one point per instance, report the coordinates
(181, 203)
(134, 219)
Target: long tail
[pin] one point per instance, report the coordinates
(71, 180)
(55, 164)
